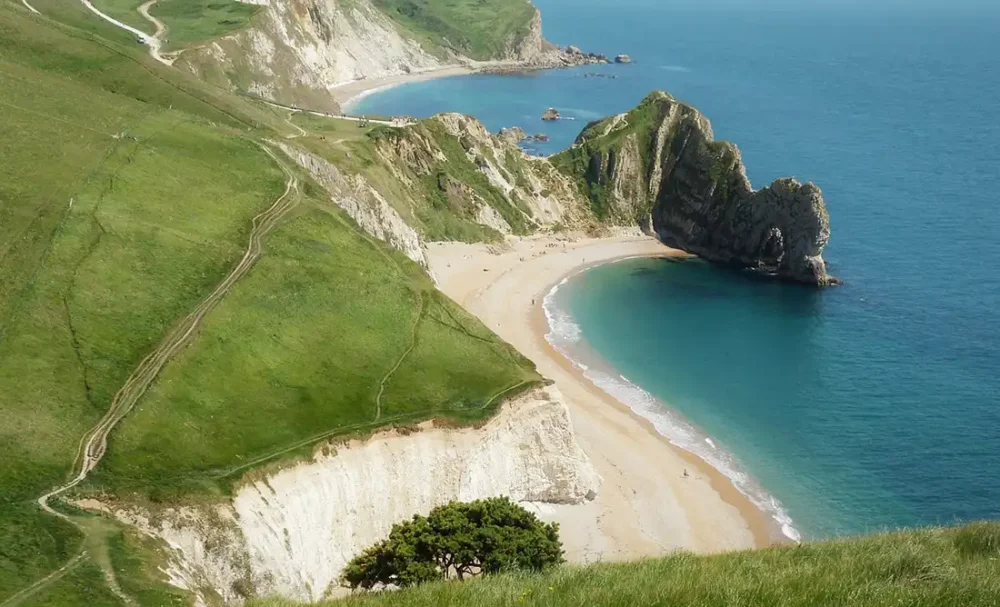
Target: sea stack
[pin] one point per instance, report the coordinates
(660, 166)
(551, 114)
(623, 58)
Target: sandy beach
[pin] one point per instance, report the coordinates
(352, 92)
(646, 506)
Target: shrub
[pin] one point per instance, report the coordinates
(458, 540)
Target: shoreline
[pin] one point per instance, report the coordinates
(646, 506)
(350, 93)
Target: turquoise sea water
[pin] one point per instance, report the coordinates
(875, 404)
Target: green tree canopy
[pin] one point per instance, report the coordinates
(458, 540)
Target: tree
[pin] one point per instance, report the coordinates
(458, 540)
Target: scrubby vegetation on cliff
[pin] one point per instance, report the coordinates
(480, 29)
(925, 568)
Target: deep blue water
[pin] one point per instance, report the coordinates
(875, 404)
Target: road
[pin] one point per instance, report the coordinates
(151, 41)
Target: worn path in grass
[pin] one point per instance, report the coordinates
(94, 444)
(154, 42)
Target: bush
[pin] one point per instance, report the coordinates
(458, 540)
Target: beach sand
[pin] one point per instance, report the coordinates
(646, 506)
(348, 94)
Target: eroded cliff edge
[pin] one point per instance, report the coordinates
(297, 52)
(660, 166)
(291, 531)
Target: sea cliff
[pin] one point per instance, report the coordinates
(660, 166)
(290, 532)
(297, 52)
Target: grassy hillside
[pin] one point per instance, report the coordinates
(480, 29)
(127, 194)
(188, 21)
(927, 568)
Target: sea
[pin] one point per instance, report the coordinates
(873, 405)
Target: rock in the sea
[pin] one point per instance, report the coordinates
(513, 135)
(623, 58)
(659, 165)
(538, 137)
(551, 114)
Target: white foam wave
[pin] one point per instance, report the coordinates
(564, 332)
(675, 68)
(562, 327)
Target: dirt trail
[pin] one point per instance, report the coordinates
(396, 123)
(153, 42)
(94, 443)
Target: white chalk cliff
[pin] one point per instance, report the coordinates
(291, 533)
(296, 51)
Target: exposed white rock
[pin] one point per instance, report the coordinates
(292, 533)
(310, 48)
(549, 196)
(489, 217)
(363, 203)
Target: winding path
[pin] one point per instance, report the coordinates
(393, 123)
(94, 443)
(152, 41)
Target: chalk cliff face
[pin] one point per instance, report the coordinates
(296, 51)
(292, 532)
(451, 164)
(660, 166)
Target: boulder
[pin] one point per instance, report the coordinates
(551, 114)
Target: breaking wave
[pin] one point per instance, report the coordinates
(566, 336)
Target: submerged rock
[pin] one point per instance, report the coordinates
(660, 166)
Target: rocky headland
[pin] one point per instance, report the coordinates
(660, 166)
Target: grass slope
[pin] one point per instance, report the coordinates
(188, 21)
(481, 29)
(126, 194)
(926, 568)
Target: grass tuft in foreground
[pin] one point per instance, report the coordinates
(926, 568)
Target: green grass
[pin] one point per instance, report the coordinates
(188, 21)
(480, 29)
(298, 347)
(192, 21)
(926, 568)
(84, 289)
(125, 196)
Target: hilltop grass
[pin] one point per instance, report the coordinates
(480, 29)
(86, 287)
(193, 21)
(925, 568)
(125, 196)
(188, 21)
